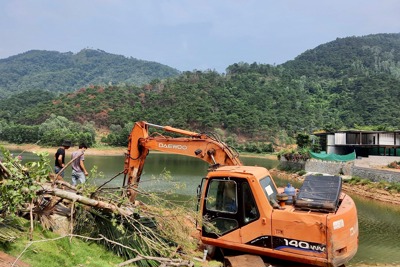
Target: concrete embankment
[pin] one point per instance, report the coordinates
(373, 168)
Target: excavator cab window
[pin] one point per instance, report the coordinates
(200, 189)
(269, 190)
(222, 196)
(229, 204)
(250, 210)
(221, 207)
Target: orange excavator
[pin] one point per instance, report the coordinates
(315, 225)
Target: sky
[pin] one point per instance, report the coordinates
(191, 34)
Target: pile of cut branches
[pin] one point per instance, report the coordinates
(10, 229)
(156, 235)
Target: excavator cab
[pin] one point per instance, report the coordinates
(240, 211)
(231, 202)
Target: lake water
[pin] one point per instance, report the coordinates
(379, 224)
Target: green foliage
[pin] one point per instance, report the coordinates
(394, 187)
(156, 228)
(15, 106)
(388, 186)
(19, 134)
(347, 83)
(54, 130)
(295, 155)
(350, 56)
(52, 250)
(301, 172)
(303, 140)
(66, 72)
(11, 228)
(21, 187)
(316, 145)
(365, 181)
(290, 168)
(256, 147)
(118, 136)
(150, 231)
(358, 180)
(353, 180)
(394, 165)
(306, 142)
(130, 232)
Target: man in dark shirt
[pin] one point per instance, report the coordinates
(59, 162)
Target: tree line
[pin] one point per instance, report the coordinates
(51, 132)
(65, 72)
(252, 106)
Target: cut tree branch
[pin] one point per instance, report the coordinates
(85, 200)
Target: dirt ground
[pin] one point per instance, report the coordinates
(106, 151)
(8, 260)
(373, 193)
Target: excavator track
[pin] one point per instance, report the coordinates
(245, 260)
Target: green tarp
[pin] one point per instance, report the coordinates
(333, 157)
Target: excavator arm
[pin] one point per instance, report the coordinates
(188, 143)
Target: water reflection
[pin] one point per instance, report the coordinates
(379, 226)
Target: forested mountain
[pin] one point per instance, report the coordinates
(350, 57)
(351, 82)
(66, 72)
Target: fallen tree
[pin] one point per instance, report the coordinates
(145, 234)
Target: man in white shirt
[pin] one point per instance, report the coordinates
(79, 172)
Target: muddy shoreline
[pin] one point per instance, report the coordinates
(102, 151)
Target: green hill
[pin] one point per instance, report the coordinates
(350, 57)
(67, 72)
(347, 83)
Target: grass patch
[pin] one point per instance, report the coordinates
(51, 251)
(393, 187)
(301, 172)
(288, 168)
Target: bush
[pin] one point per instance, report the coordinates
(54, 130)
(118, 136)
(389, 186)
(295, 155)
(19, 134)
(20, 188)
(301, 172)
(394, 187)
(394, 165)
(289, 168)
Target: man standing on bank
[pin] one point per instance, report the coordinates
(79, 172)
(59, 162)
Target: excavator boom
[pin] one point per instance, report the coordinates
(198, 145)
